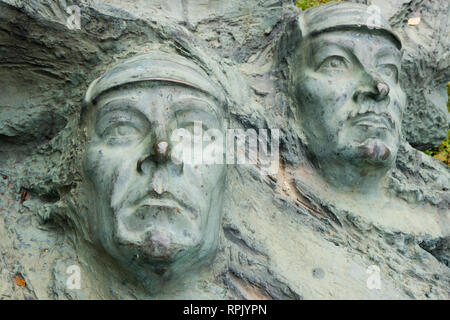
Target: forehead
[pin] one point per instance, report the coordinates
(359, 42)
(167, 98)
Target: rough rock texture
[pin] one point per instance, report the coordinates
(284, 236)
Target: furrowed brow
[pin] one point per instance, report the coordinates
(195, 104)
(389, 54)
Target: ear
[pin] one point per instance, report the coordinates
(87, 101)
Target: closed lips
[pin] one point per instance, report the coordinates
(167, 203)
(373, 120)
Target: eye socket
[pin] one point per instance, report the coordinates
(208, 132)
(191, 125)
(333, 64)
(121, 133)
(389, 71)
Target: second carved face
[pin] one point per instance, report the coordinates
(348, 95)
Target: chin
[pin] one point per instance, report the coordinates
(158, 247)
(370, 152)
(376, 152)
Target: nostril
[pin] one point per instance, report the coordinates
(139, 165)
(158, 154)
(356, 96)
(378, 92)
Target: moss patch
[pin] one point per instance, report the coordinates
(442, 152)
(305, 4)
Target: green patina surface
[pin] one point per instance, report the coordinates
(441, 152)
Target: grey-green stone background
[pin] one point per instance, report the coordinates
(280, 239)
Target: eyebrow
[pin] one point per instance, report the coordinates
(195, 104)
(111, 105)
(320, 51)
(328, 44)
(179, 106)
(388, 53)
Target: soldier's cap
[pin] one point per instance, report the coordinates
(339, 15)
(154, 66)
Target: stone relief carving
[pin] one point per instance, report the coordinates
(157, 217)
(347, 97)
(103, 189)
(345, 82)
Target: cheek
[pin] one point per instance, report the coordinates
(324, 104)
(397, 107)
(399, 103)
(102, 168)
(202, 180)
(320, 96)
(204, 176)
(310, 93)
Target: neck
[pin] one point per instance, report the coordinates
(179, 276)
(113, 280)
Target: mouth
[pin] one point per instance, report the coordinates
(162, 203)
(166, 205)
(165, 200)
(373, 120)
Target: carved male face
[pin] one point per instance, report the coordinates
(349, 97)
(147, 210)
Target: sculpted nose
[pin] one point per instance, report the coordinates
(383, 90)
(153, 166)
(161, 151)
(159, 154)
(371, 87)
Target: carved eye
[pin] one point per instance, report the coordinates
(389, 71)
(333, 64)
(204, 134)
(121, 133)
(189, 126)
(125, 130)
